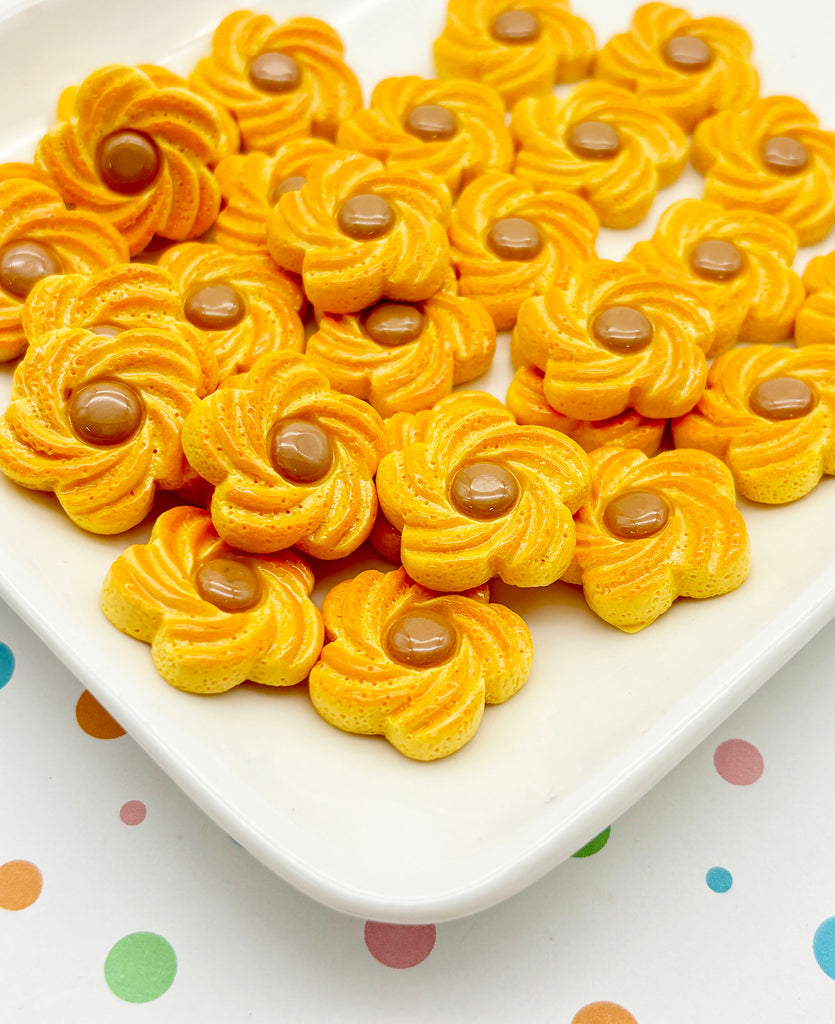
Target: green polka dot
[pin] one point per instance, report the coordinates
(140, 967)
(596, 845)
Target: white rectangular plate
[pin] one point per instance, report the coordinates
(604, 716)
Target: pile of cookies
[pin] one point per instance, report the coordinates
(250, 290)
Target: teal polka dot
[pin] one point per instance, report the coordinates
(140, 967)
(823, 946)
(6, 664)
(719, 879)
(596, 844)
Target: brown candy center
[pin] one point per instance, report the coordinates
(421, 639)
(431, 122)
(228, 583)
(784, 155)
(365, 216)
(636, 514)
(688, 53)
(393, 323)
(623, 329)
(214, 306)
(273, 71)
(515, 238)
(23, 264)
(516, 27)
(105, 412)
(128, 161)
(594, 140)
(484, 490)
(782, 398)
(716, 260)
(291, 184)
(300, 451)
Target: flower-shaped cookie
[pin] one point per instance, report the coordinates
(617, 337)
(358, 233)
(39, 238)
(252, 183)
(136, 145)
(480, 496)
(279, 81)
(816, 318)
(774, 158)
(520, 50)
(687, 67)
(98, 420)
(405, 357)
(455, 129)
(526, 400)
(738, 260)
(416, 666)
(769, 413)
(292, 461)
(654, 530)
(214, 617)
(244, 304)
(509, 242)
(603, 144)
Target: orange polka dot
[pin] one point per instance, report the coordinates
(603, 1013)
(20, 884)
(94, 720)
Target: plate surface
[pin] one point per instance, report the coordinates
(604, 716)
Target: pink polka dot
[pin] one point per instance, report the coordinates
(133, 812)
(738, 762)
(399, 945)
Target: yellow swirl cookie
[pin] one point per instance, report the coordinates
(480, 497)
(769, 414)
(815, 322)
(136, 145)
(98, 420)
(403, 357)
(738, 260)
(689, 68)
(654, 530)
(602, 143)
(617, 337)
(519, 50)
(774, 158)
(413, 665)
(358, 233)
(252, 183)
(291, 461)
(244, 304)
(41, 238)
(279, 81)
(214, 617)
(455, 129)
(526, 400)
(509, 242)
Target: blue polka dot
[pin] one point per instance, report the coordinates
(719, 879)
(6, 665)
(823, 946)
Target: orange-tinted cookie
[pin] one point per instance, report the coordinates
(519, 50)
(769, 413)
(739, 261)
(687, 67)
(279, 81)
(413, 665)
(602, 143)
(509, 242)
(214, 616)
(815, 322)
(617, 337)
(654, 530)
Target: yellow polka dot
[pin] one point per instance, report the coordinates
(603, 1013)
(20, 884)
